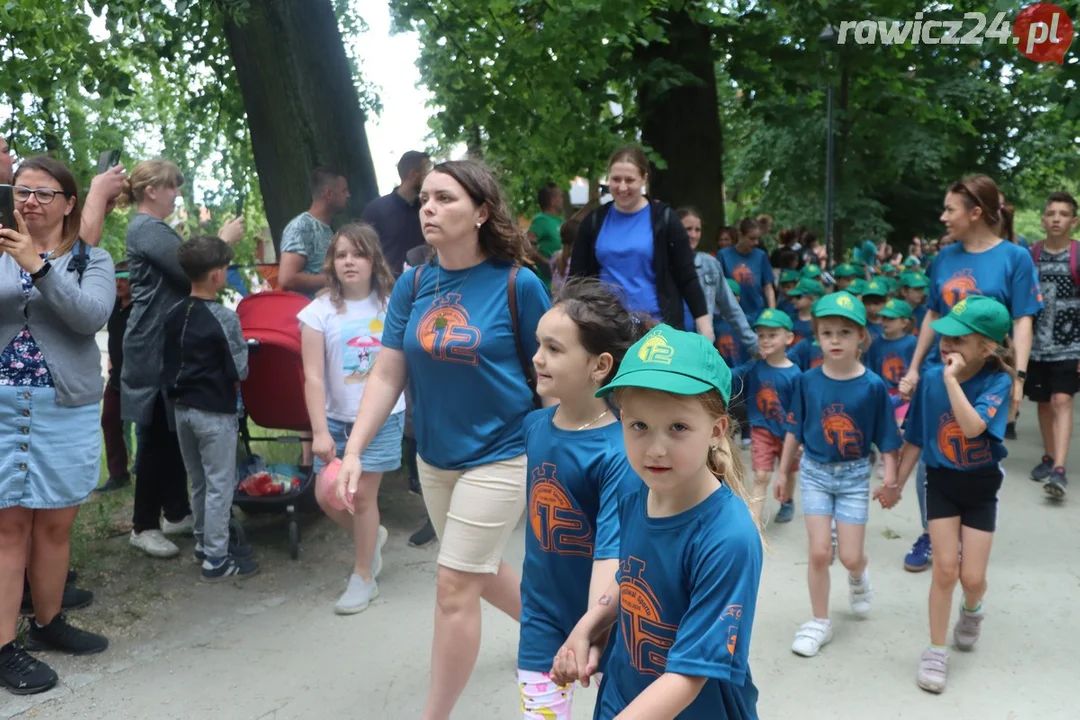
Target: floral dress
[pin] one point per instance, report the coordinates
(21, 362)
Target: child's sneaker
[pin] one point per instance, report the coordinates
(230, 567)
(933, 670)
(22, 673)
(61, 636)
(357, 596)
(920, 556)
(153, 542)
(860, 593)
(811, 637)
(1057, 485)
(1041, 472)
(785, 513)
(968, 628)
(236, 551)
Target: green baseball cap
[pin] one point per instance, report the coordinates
(789, 276)
(878, 287)
(811, 271)
(858, 287)
(844, 270)
(736, 288)
(840, 304)
(914, 280)
(896, 309)
(807, 286)
(672, 361)
(888, 268)
(774, 319)
(123, 274)
(911, 261)
(976, 314)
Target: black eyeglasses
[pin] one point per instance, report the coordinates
(44, 196)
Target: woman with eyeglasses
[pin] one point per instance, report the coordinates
(56, 293)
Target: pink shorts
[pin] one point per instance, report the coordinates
(765, 451)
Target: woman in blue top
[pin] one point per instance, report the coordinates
(56, 293)
(749, 266)
(957, 423)
(451, 332)
(979, 262)
(577, 471)
(640, 247)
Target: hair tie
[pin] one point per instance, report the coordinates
(1001, 207)
(635, 320)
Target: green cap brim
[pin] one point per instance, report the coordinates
(841, 313)
(123, 275)
(771, 324)
(898, 314)
(954, 327)
(662, 380)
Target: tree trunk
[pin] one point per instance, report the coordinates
(682, 122)
(301, 102)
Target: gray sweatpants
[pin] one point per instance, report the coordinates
(208, 444)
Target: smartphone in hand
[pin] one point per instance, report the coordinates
(7, 207)
(108, 159)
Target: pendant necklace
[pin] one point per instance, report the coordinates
(440, 320)
(591, 422)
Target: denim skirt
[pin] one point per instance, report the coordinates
(50, 456)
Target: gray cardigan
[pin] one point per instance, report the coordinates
(63, 316)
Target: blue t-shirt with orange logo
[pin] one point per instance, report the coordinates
(838, 420)
(769, 391)
(753, 273)
(807, 353)
(470, 395)
(575, 479)
(931, 423)
(801, 329)
(1005, 272)
(891, 359)
(727, 342)
(688, 587)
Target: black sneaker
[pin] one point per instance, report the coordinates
(240, 552)
(74, 599)
(424, 536)
(1042, 471)
(61, 636)
(1010, 431)
(23, 674)
(113, 484)
(229, 568)
(1057, 485)
(414, 485)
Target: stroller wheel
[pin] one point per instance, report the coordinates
(239, 537)
(294, 539)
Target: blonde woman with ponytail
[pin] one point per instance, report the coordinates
(690, 552)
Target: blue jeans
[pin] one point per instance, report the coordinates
(841, 490)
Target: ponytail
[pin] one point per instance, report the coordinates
(723, 461)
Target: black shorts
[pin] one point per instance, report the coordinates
(1051, 378)
(970, 495)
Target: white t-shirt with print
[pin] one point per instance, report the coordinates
(351, 342)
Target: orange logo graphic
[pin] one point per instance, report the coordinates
(840, 431)
(733, 614)
(960, 450)
(557, 524)
(725, 344)
(958, 287)
(893, 369)
(647, 637)
(768, 402)
(817, 359)
(797, 340)
(743, 274)
(444, 331)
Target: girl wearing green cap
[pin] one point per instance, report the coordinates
(956, 422)
(690, 553)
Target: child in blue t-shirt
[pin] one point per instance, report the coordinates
(576, 465)
(727, 340)
(957, 422)
(890, 356)
(913, 291)
(873, 298)
(690, 553)
(803, 297)
(841, 409)
(807, 353)
(768, 386)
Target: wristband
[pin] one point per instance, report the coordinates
(42, 271)
(1021, 374)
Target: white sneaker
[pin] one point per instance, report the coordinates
(152, 542)
(357, 596)
(811, 637)
(860, 594)
(184, 527)
(376, 563)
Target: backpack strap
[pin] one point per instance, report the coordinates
(526, 367)
(1074, 261)
(416, 279)
(1036, 251)
(79, 261)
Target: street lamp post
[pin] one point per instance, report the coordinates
(827, 38)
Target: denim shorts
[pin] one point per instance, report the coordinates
(49, 455)
(841, 490)
(384, 452)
